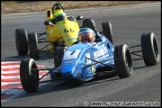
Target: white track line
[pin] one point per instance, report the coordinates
(8, 72)
(9, 83)
(11, 66)
(11, 77)
(9, 62)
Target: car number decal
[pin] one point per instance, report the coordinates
(73, 54)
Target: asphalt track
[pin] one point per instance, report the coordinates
(128, 22)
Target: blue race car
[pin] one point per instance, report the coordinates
(84, 61)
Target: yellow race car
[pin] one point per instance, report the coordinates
(60, 30)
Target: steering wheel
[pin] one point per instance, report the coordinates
(57, 5)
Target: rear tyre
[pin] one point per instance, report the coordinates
(123, 61)
(33, 45)
(29, 75)
(59, 52)
(21, 39)
(150, 49)
(107, 30)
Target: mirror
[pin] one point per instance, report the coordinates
(49, 14)
(48, 23)
(79, 18)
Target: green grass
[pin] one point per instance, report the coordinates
(9, 2)
(13, 2)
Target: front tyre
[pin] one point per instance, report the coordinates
(59, 52)
(21, 39)
(33, 45)
(123, 61)
(150, 49)
(29, 75)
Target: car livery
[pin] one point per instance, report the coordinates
(83, 62)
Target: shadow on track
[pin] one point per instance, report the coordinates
(60, 86)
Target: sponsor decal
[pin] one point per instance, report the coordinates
(101, 52)
(92, 68)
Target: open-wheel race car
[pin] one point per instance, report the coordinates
(60, 29)
(82, 62)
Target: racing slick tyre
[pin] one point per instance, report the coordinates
(59, 52)
(21, 38)
(33, 45)
(107, 30)
(29, 75)
(150, 49)
(123, 61)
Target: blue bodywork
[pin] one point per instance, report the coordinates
(76, 65)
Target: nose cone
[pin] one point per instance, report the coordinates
(67, 77)
(67, 73)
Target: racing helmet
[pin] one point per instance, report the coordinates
(86, 35)
(59, 15)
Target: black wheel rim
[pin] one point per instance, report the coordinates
(128, 60)
(34, 74)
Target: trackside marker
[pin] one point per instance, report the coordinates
(10, 78)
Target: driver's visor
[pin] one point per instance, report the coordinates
(60, 17)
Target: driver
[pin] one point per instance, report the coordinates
(55, 31)
(86, 35)
(59, 15)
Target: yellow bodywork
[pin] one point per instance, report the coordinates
(50, 16)
(63, 31)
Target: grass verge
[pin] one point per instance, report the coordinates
(8, 7)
